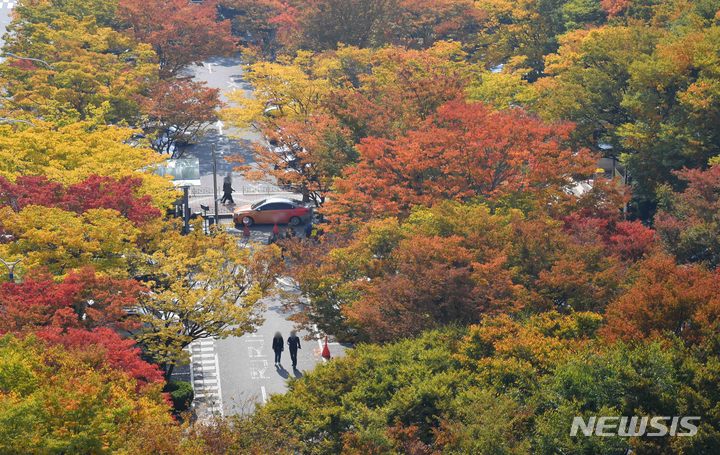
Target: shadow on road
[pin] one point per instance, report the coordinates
(282, 371)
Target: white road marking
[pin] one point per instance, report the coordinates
(254, 352)
(210, 68)
(205, 376)
(7, 4)
(264, 394)
(258, 368)
(219, 387)
(220, 125)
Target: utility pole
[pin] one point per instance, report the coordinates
(215, 195)
(186, 209)
(11, 268)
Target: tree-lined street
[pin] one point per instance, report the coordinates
(233, 374)
(514, 227)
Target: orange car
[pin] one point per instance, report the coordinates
(272, 211)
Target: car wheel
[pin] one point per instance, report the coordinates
(294, 221)
(247, 221)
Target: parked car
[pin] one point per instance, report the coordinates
(274, 210)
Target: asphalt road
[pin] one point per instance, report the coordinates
(247, 371)
(234, 374)
(6, 7)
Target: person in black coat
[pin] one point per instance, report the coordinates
(293, 342)
(227, 191)
(278, 346)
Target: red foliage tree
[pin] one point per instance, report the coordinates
(117, 352)
(82, 299)
(93, 193)
(630, 240)
(181, 109)
(688, 222)
(463, 151)
(181, 32)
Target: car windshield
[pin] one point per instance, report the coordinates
(258, 204)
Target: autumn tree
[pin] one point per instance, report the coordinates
(117, 352)
(675, 126)
(304, 155)
(587, 78)
(202, 286)
(58, 241)
(103, 11)
(292, 88)
(73, 153)
(93, 193)
(361, 23)
(386, 92)
(82, 71)
(188, 33)
(69, 400)
(519, 33)
(641, 91)
(687, 222)
(261, 25)
(83, 300)
(179, 111)
(666, 298)
(464, 151)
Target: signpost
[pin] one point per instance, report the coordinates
(185, 173)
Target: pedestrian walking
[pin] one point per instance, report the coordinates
(278, 346)
(227, 190)
(293, 342)
(308, 229)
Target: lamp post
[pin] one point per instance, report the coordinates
(215, 195)
(11, 268)
(186, 209)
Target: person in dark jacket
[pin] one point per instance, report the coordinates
(227, 191)
(278, 346)
(293, 342)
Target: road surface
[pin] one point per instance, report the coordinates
(6, 7)
(230, 376)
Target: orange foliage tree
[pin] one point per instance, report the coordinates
(666, 298)
(462, 152)
(180, 32)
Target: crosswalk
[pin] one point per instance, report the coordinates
(7, 4)
(205, 377)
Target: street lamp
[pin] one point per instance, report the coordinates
(215, 195)
(11, 268)
(186, 209)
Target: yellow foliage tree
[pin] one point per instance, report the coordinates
(70, 154)
(202, 287)
(57, 401)
(60, 241)
(89, 72)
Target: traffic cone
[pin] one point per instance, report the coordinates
(326, 349)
